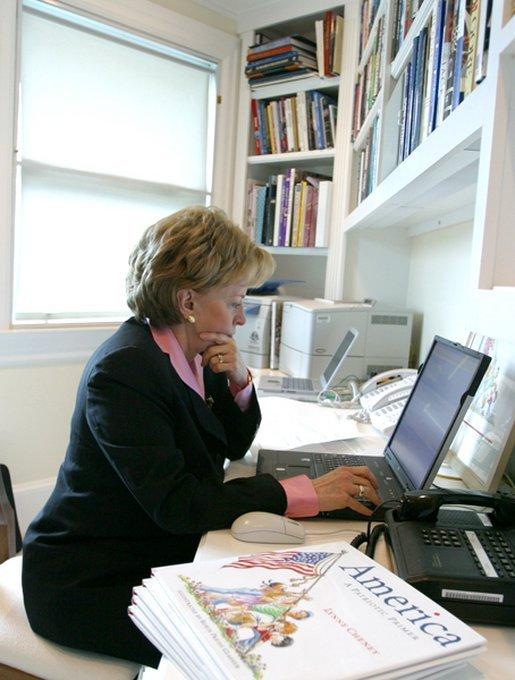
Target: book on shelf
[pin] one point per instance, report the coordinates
(278, 209)
(289, 73)
(468, 80)
(439, 23)
(261, 199)
(278, 61)
(452, 18)
(418, 88)
(329, 43)
(428, 74)
(285, 211)
(369, 9)
(280, 58)
(459, 54)
(294, 40)
(299, 122)
(323, 213)
(285, 49)
(325, 611)
(483, 39)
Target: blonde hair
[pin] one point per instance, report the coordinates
(197, 248)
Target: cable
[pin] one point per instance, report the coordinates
(375, 535)
(328, 533)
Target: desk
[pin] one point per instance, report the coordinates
(494, 664)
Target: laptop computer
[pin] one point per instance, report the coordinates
(435, 407)
(307, 389)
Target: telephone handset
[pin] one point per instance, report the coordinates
(464, 560)
(386, 388)
(424, 505)
(383, 397)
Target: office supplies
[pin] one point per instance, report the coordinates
(307, 389)
(464, 560)
(312, 330)
(265, 527)
(324, 611)
(442, 392)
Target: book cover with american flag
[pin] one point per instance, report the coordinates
(326, 612)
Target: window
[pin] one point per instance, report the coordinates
(114, 132)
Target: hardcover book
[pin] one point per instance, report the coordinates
(327, 612)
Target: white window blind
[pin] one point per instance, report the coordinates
(115, 132)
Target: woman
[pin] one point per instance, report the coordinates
(160, 406)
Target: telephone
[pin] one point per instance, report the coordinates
(383, 397)
(463, 559)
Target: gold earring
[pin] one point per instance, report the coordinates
(190, 318)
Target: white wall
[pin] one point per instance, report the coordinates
(36, 403)
(444, 296)
(194, 11)
(439, 291)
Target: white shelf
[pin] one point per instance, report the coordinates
(290, 250)
(403, 55)
(367, 124)
(293, 157)
(436, 179)
(292, 85)
(368, 47)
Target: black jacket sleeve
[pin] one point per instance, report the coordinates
(168, 450)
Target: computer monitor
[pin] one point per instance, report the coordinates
(440, 398)
(485, 441)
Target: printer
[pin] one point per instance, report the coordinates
(313, 329)
(261, 330)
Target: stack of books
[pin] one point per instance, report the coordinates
(329, 38)
(368, 167)
(288, 57)
(448, 60)
(368, 14)
(299, 122)
(326, 611)
(369, 81)
(291, 209)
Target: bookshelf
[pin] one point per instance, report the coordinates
(253, 167)
(463, 171)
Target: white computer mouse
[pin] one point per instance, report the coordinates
(265, 527)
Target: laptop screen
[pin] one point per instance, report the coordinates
(439, 399)
(333, 366)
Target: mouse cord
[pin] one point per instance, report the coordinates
(328, 533)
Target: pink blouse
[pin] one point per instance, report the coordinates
(300, 492)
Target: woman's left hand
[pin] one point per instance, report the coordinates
(223, 357)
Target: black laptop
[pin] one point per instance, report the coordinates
(417, 446)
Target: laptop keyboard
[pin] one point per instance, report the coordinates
(302, 384)
(325, 462)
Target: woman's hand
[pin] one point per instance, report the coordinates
(342, 487)
(223, 357)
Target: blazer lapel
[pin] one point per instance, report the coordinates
(206, 418)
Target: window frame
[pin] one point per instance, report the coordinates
(74, 342)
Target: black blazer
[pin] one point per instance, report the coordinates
(141, 481)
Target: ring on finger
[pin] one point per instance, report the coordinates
(361, 491)
(220, 358)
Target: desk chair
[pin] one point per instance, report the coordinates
(23, 654)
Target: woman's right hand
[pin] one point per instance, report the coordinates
(341, 487)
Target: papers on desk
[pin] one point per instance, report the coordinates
(288, 424)
(326, 612)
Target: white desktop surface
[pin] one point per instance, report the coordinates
(497, 663)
